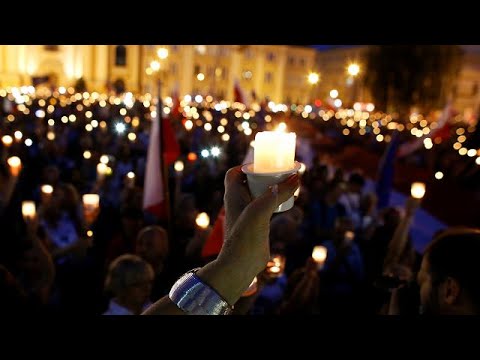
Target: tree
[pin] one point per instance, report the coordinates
(402, 76)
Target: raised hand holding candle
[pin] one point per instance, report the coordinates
(273, 162)
(418, 190)
(202, 220)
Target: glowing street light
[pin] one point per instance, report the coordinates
(313, 78)
(162, 53)
(353, 69)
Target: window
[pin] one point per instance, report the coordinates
(174, 48)
(249, 54)
(302, 62)
(268, 77)
(196, 70)
(270, 56)
(120, 55)
(51, 47)
(291, 60)
(173, 68)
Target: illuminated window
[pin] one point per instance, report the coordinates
(173, 68)
(120, 55)
(475, 89)
(270, 56)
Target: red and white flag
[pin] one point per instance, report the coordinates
(239, 94)
(153, 189)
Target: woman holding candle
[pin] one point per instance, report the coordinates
(246, 250)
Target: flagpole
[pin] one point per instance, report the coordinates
(163, 164)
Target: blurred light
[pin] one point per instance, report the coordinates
(192, 156)
(62, 90)
(131, 175)
(247, 132)
(51, 122)
(353, 69)
(209, 98)
(462, 138)
(51, 135)
(72, 118)
(7, 140)
(345, 132)
(28, 142)
(120, 128)
(477, 160)
(463, 151)
(472, 152)
(123, 111)
(438, 175)
(47, 189)
(155, 65)
(132, 136)
(302, 168)
(40, 113)
(162, 53)
(88, 127)
(215, 151)
(205, 153)
(268, 118)
(357, 107)
(333, 93)
(225, 137)
(199, 98)
(308, 109)
(200, 77)
(337, 103)
(10, 117)
(188, 124)
(417, 190)
(379, 138)
(313, 78)
(457, 146)
(282, 126)
(18, 135)
(89, 233)
(104, 159)
(203, 220)
(178, 166)
(187, 98)
(460, 131)
(103, 124)
(207, 126)
(221, 129)
(87, 154)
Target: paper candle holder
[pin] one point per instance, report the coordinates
(258, 183)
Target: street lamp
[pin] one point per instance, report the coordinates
(353, 70)
(313, 79)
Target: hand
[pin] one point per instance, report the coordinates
(246, 249)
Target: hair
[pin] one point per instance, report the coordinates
(356, 178)
(454, 253)
(124, 271)
(149, 231)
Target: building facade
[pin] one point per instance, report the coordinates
(333, 66)
(278, 73)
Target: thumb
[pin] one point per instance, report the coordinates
(266, 204)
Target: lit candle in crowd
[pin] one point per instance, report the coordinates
(319, 254)
(418, 190)
(28, 210)
(15, 165)
(274, 151)
(91, 201)
(203, 220)
(131, 179)
(7, 140)
(101, 170)
(349, 236)
(178, 166)
(47, 189)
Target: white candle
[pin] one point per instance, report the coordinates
(274, 151)
(47, 189)
(131, 179)
(418, 190)
(28, 210)
(319, 254)
(15, 165)
(91, 201)
(178, 166)
(203, 220)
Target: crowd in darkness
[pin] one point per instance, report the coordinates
(124, 259)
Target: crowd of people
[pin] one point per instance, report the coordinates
(123, 259)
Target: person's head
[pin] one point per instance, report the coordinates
(282, 231)
(129, 280)
(334, 191)
(152, 245)
(356, 182)
(449, 276)
(71, 198)
(391, 217)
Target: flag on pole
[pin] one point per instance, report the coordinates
(176, 102)
(386, 173)
(154, 200)
(239, 94)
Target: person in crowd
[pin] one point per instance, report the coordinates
(129, 281)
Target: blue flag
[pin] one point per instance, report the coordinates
(386, 172)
